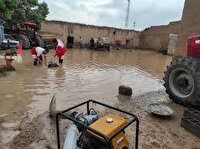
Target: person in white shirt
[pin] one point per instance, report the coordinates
(60, 43)
(39, 55)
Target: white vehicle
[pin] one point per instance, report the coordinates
(9, 42)
(6, 40)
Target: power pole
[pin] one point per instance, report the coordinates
(127, 14)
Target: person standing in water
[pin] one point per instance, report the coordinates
(39, 55)
(60, 50)
(81, 43)
(92, 43)
(19, 51)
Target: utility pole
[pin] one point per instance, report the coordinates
(127, 14)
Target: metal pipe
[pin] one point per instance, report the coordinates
(58, 130)
(88, 108)
(137, 134)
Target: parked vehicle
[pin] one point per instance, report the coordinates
(27, 34)
(102, 43)
(182, 78)
(6, 40)
(48, 39)
(9, 42)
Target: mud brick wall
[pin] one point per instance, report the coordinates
(63, 29)
(157, 37)
(190, 25)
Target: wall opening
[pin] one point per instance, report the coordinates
(129, 43)
(70, 41)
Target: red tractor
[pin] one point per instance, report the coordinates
(182, 78)
(26, 33)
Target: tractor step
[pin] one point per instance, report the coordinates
(191, 121)
(193, 113)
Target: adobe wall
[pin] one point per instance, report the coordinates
(63, 29)
(190, 25)
(157, 37)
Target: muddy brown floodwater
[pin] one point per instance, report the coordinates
(25, 96)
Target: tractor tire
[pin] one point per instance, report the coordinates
(182, 81)
(25, 41)
(40, 42)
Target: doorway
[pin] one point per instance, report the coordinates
(70, 41)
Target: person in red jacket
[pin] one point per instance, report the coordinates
(39, 55)
(60, 50)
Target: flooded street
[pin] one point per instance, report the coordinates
(96, 75)
(85, 75)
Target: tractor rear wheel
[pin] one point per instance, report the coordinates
(25, 41)
(182, 81)
(40, 42)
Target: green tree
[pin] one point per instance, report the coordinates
(7, 8)
(23, 10)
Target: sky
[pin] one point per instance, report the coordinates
(144, 13)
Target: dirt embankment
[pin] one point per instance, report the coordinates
(38, 133)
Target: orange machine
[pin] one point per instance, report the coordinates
(89, 131)
(108, 125)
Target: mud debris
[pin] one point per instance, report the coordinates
(33, 133)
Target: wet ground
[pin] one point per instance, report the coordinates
(87, 74)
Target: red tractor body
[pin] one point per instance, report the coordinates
(194, 47)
